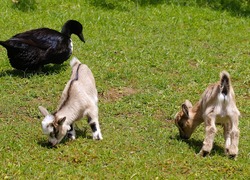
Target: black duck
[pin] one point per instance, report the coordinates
(32, 49)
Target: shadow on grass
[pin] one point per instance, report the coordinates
(79, 133)
(235, 7)
(45, 144)
(47, 70)
(82, 132)
(196, 145)
(24, 5)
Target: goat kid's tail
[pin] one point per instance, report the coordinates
(225, 83)
(74, 61)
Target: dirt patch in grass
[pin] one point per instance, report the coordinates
(115, 94)
(161, 115)
(193, 63)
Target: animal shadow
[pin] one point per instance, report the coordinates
(46, 70)
(24, 5)
(79, 133)
(196, 145)
(82, 133)
(44, 143)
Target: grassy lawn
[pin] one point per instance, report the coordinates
(146, 61)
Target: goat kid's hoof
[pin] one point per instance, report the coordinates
(71, 136)
(233, 151)
(231, 154)
(97, 136)
(52, 145)
(203, 153)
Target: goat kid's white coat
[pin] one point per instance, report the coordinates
(79, 99)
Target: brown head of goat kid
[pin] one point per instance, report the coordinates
(216, 106)
(79, 99)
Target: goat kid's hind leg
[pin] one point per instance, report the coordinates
(234, 134)
(94, 124)
(210, 129)
(227, 137)
(71, 133)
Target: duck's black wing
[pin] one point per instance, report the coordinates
(56, 46)
(42, 38)
(35, 48)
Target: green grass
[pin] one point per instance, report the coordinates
(146, 61)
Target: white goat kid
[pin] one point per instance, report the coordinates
(216, 106)
(79, 99)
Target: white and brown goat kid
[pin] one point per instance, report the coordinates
(216, 106)
(79, 99)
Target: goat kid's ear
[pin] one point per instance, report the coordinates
(43, 110)
(185, 110)
(61, 121)
(188, 104)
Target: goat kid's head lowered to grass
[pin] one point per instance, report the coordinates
(54, 128)
(79, 99)
(216, 106)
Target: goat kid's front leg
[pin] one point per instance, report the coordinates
(71, 133)
(210, 129)
(95, 127)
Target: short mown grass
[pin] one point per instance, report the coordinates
(146, 61)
